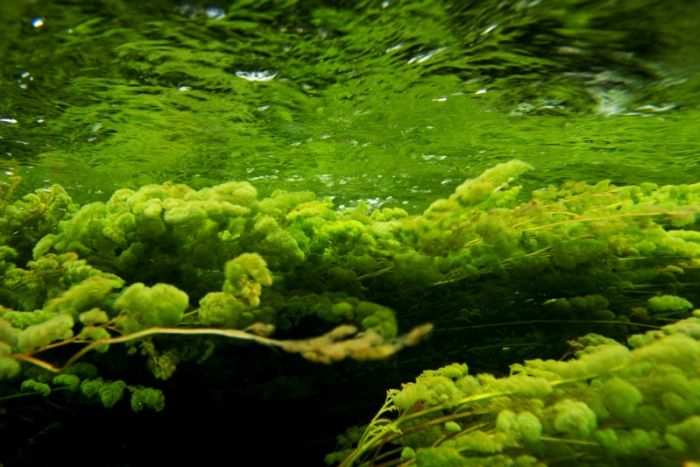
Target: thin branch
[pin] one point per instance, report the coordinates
(230, 333)
(339, 343)
(23, 357)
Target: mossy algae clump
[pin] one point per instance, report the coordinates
(612, 403)
(166, 268)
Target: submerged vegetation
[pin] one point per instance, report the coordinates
(203, 204)
(166, 268)
(610, 405)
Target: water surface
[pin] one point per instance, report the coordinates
(392, 102)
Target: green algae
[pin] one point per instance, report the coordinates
(375, 104)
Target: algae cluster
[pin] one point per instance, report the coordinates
(168, 260)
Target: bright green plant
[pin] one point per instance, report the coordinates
(610, 405)
(168, 260)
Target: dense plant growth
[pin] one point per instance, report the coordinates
(166, 268)
(611, 405)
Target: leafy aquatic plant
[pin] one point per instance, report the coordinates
(610, 405)
(169, 260)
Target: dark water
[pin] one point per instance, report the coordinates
(395, 101)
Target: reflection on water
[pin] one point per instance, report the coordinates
(394, 102)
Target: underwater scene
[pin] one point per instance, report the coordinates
(350, 233)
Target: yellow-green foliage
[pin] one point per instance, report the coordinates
(336, 307)
(93, 316)
(60, 327)
(608, 404)
(9, 367)
(245, 276)
(224, 309)
(186, 236)
(237, 306)
(50, 278)
(35, 215)
(141, 306)
(669, 303)
(170, 256)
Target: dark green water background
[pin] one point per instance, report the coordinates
(394, 102)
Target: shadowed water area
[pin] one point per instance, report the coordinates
(391, 103)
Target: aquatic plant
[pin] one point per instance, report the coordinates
(609, 405)
(166, 269)
(84, 283)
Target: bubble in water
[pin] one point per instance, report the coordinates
(261, 76)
